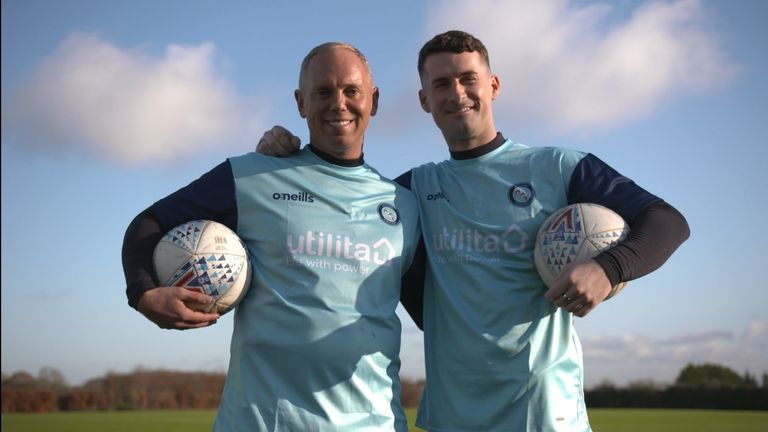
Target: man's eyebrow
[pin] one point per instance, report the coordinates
(460, 74)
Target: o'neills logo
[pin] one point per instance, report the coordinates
(329, 245)
(299, 196)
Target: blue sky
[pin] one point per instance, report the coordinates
(108, 106)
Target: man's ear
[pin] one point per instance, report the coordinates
(423, 102)
(495, 86)
(300, 102)
(375, 105)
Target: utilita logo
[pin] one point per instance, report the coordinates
(300, 196)
(329, 245)
(512, 240)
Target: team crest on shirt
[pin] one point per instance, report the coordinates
(389, 214)
(521, 194)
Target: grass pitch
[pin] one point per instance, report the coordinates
(602, 420)
(676, 420)
(111, 421)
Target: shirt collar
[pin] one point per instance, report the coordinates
(334, 160)
(481, 150)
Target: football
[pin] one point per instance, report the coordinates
(576, 233)
(205, 256)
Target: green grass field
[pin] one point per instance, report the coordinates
(603, 420)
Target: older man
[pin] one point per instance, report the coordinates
(316, 339)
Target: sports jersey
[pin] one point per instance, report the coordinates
(316, 340)
(499, 356)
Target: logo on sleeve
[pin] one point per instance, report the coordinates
(389, 214)
(521, 194)
(437, 196)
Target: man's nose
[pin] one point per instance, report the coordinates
(339, 101)
(457, 91)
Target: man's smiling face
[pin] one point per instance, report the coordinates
(337, 97)
(458, 89)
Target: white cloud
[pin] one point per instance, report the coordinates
(123, 104)
(709, 337)
(636, 357)
(756, 334)
(582, 67)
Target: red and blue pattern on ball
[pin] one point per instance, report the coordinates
(562, 239)
(214, 274)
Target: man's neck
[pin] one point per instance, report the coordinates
(334, 159)
(463, 145)
(338, 150)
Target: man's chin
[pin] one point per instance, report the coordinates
(338, 143)
(460, 132)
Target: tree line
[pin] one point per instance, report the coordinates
(705, 386)
(137, 390)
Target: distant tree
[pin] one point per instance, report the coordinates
(605, 384)
(709, 375)
(765, 381)
(52, 378)
(20, 379)
(22, 392)
(644, 385)
(749, 380)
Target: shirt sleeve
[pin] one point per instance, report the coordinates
(404, 179)
(656, 228)
(412, 283)
(655, 234)
(412, 286)
(593, 181)
(210, 197)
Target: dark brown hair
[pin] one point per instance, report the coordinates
(455, 41)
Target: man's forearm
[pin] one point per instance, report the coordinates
(139, 243)
(654, 235)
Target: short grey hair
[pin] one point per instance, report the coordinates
(328, 46)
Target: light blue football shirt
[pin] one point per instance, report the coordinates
(499, 356)
(316, 340)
